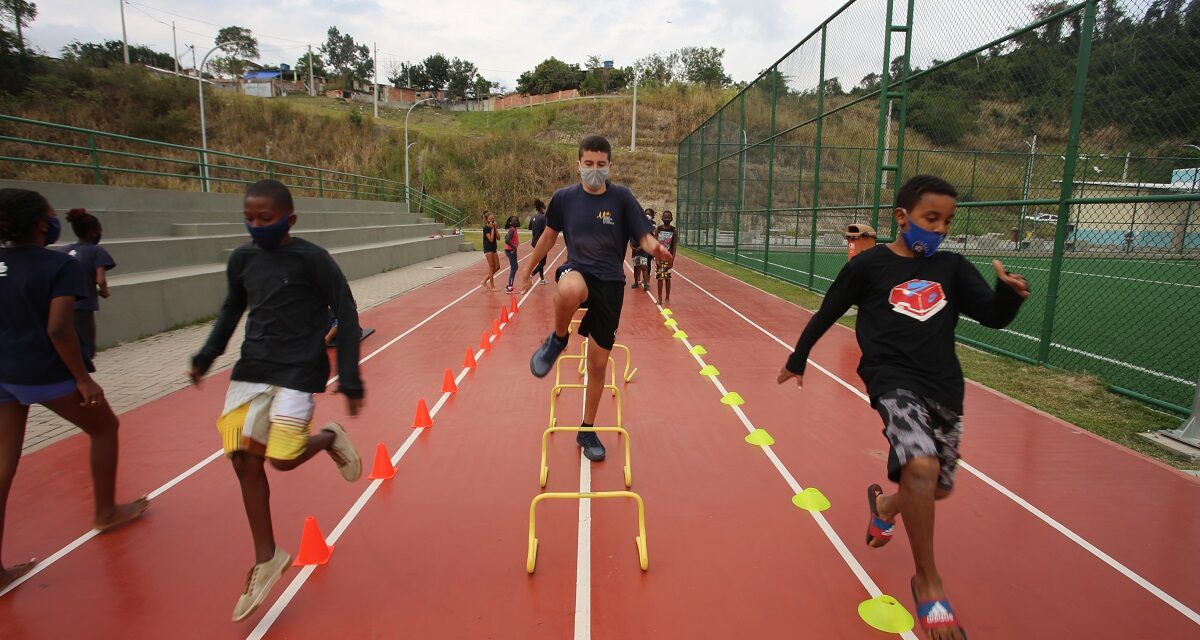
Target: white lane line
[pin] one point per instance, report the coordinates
(1092, 275)
(583, 557)
(855, 567)
(295, 585)
(75, 544)
(1041, 515)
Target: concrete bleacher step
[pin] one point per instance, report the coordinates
(152, 253)
(149, 302)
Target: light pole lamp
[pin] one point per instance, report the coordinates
(203, 130)
(406, 145)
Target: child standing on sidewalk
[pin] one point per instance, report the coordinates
(96, 262)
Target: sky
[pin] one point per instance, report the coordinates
(509, 37)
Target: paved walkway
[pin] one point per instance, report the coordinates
(135, 373)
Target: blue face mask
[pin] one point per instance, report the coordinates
(55, 230)
(921, 241)
(270, 236)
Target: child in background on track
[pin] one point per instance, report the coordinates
(666, 237)
(490, 235)
(288, 284)
(537, 225)
(641, 261)
(95, 261)
(511, 242)
(40, 358)
(909, 297)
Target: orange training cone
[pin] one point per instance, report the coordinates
(383, 468)
(503, 314)
(514, 307)
(422, 419)
(469, 360)
(484, 343)
(448, 385)
(313, 549)
(496, 328)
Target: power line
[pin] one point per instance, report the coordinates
(219, 26)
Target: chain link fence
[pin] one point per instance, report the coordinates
(1070, 130)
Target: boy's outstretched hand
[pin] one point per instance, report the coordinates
(661, 252)
(1015, 281)
(785, 375)
(523, 279)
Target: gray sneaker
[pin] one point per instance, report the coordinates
(343, 453)
(259, 582)
(592, 448)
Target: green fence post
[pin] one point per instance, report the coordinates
(203, 171)
(737, 228)
(816, 197)
(799, 195)
(95, 159)
(700, 202)
(271, 170)
(1068, 180)
(321, 183)
(770, 170)
(355, 181)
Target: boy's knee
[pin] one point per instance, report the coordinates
(246, 465)
(924, 470)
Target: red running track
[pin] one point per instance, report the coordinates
(439, 550)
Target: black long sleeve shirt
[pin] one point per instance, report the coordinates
(288, 291)
(907, 311)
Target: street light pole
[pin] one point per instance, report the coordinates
(633, 135)
(175, 47)
(312, 88)
(203, 131)
(375, 80)
(406, 145)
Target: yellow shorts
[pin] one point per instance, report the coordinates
(265, 420)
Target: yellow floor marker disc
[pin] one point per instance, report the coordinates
(760, 438)
(732, 399)
(698, 351)
(885, 614)
(811, 500)
(667, 312)
(680, 334)
(709, 370)
(671, 322)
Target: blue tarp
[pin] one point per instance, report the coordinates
(262, 75)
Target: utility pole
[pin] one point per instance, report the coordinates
(375, 79)
(633, 134)
(124, 36)
(312, 87)
(175, 47)
(887, 138)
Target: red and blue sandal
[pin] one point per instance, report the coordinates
(935, 614)
(879, 531)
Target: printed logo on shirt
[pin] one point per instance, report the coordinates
(73, 253)
(3, 270)
(920, 299)
(605, 217)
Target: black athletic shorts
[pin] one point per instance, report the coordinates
(603, 306)
(917, 427)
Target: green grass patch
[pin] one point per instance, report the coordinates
(1082, 400)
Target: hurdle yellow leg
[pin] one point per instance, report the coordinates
(639, 541)
(544, 472)
(628, 375)
(556, 390)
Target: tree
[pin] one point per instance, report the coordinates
(408, 75)
(658, 69)
(482, 88)
(462, 77)
(437, 72)
(549, 76)
(702, 65)
(348, 59)
(318, 66)
(869, 82)
(109, 53)
(21, 13)
(241, 47)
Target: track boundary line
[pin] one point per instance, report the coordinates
(92, 533)
(1137, 579)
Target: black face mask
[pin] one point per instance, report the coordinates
(55, 231)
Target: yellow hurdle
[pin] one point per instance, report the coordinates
(640, 540)
(582, 357)
(545, 470)
(612, 368)
(557, 389)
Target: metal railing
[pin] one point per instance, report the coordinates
(76, 154)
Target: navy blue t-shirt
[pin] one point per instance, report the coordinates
(30, 277)
(90, 257)
(597, 227)
(489, 246)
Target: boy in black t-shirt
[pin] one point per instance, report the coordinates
(537, 225)
(909, 296)
(597, 219)
(96, 262)
(288, 284)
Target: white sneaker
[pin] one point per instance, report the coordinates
(543, 281)
(259, 582)
(343, 453)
